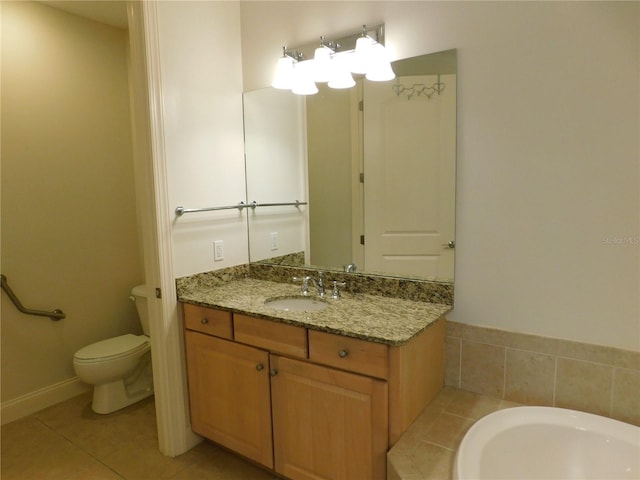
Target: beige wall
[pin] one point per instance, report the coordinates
(547, 149)
(69, 235)
(329, 116)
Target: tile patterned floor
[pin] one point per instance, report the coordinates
(69, 441)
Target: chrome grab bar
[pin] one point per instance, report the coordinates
(54, 315)
(181, 210)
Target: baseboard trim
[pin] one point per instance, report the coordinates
(45, 397)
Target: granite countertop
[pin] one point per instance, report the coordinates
(374, 318)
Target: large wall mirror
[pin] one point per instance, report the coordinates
(373, 167)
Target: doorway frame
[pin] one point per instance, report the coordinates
(169, 367)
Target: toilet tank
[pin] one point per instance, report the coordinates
(140, 297)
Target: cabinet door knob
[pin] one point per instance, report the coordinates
(343, 353)
(204, 321)
(273, 372)
(259, 367)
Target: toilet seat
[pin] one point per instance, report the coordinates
(113, 348)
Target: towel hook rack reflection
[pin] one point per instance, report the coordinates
(55, 315)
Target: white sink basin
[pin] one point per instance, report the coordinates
(297, 304)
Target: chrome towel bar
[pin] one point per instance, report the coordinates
(54, 315)
(181, 210)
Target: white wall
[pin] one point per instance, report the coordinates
(69, 236)
(548, 170)
(202, 109)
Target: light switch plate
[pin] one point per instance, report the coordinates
(218, 250)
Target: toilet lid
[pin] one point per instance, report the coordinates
(113, 347)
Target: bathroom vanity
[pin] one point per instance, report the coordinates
(320, 394)
(324, 394)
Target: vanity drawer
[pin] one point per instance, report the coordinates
(208, 320)
(349, 353)
(273, 336)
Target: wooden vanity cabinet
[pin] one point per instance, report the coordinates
(229, 395)
(327, 424)
(308, 404)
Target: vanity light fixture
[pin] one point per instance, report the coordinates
(361, 53)
(340, 75)
(303, 83)
(322, 65)
(283, 78)
(379, 65)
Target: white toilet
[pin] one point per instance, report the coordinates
(119, 368)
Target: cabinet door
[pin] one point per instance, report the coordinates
(327, 424)
(229, 395)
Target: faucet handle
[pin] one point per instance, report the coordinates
(304, 288)
(336, 288)
(319, 283)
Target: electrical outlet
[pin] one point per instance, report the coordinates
(218, 250)
(274, 240)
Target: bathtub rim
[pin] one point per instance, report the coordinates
(488, 426)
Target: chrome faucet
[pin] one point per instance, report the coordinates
(318, 283)
(336, 289)
(304, 288)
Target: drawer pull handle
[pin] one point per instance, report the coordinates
(259, 367)
(343, 353)
(273, 372)
(204, 321)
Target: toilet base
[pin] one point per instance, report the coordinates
(113, 396)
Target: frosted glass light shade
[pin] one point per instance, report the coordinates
(303, 83)
(362, 55)
(340, 75)
(322, 64)
(283, 78)
(379, 66)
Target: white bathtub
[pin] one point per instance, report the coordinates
(545, 443)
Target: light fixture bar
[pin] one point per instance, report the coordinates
(334, 61)
(342, 43)
(293, 53)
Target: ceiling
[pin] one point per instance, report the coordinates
(110, 12)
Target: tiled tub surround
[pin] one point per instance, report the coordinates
(426, 451)
(535, 370)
